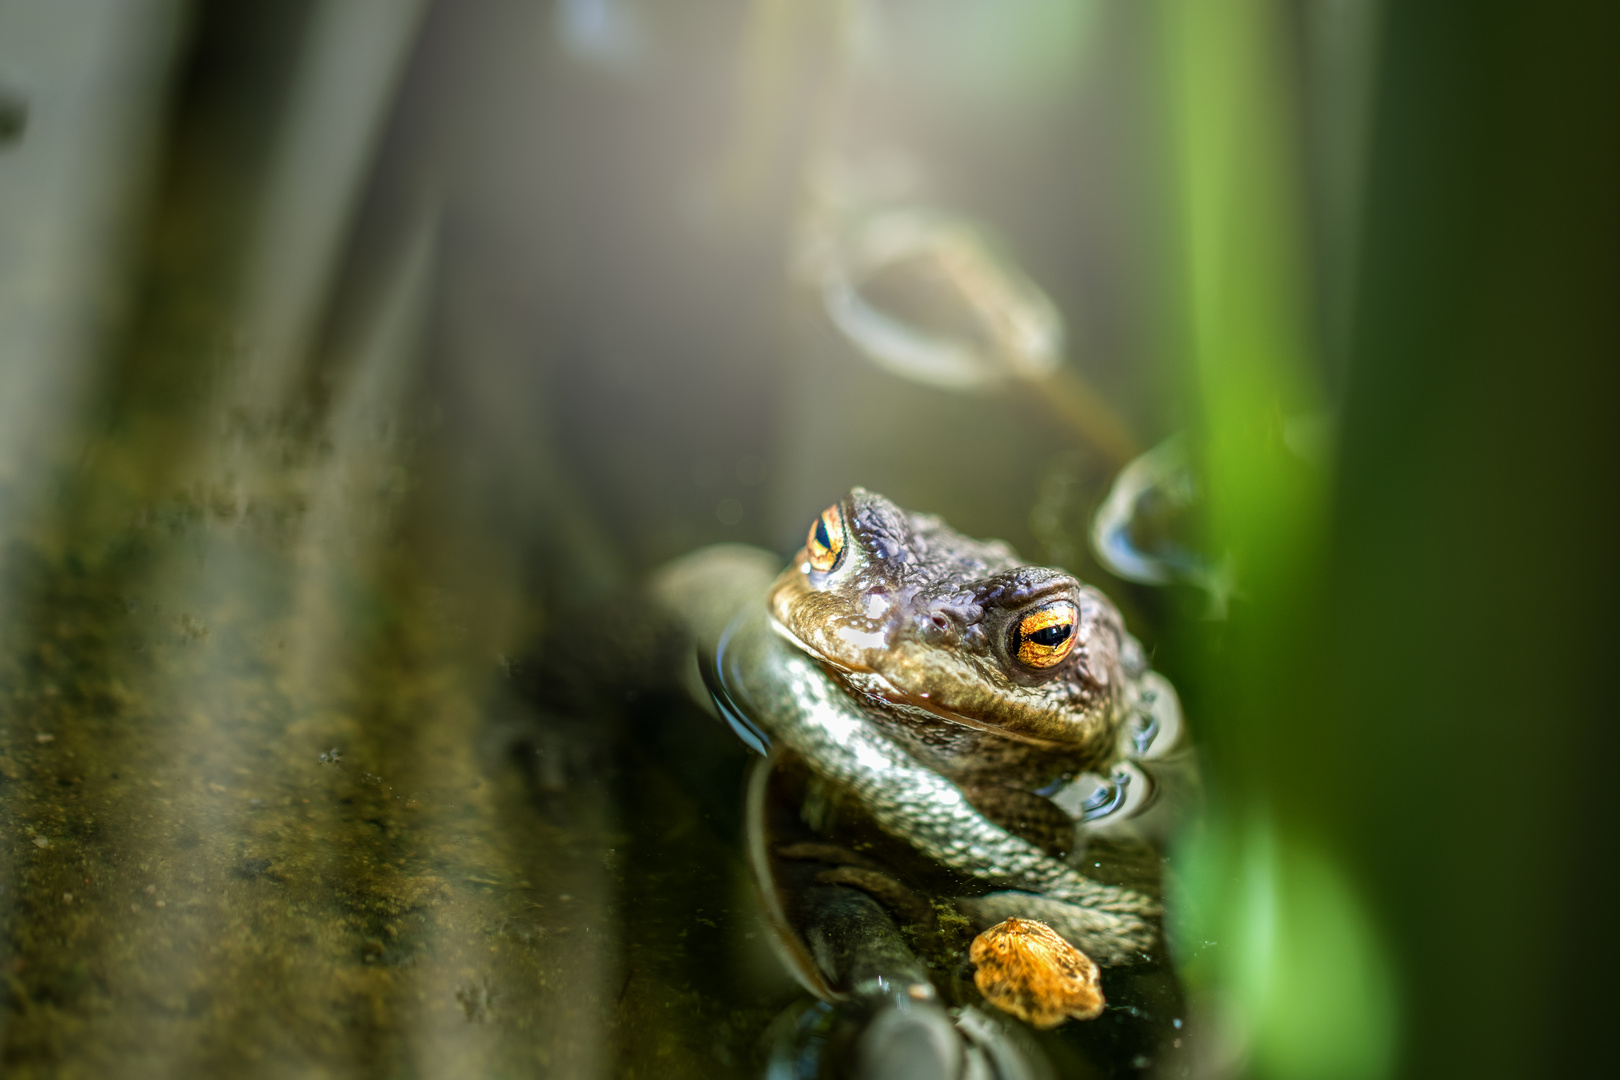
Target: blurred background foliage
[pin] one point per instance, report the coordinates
(349, 348)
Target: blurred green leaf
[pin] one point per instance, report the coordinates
(1279, 940)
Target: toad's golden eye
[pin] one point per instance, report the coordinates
(826, 541)
(1045, 637)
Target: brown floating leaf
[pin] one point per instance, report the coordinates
(1025, 968)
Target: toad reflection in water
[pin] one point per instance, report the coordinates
(936, 715)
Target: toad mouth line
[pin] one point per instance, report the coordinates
(886, 690)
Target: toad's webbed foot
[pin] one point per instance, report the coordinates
(1110, 937)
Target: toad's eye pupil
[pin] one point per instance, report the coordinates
(1052, 636)
(1044, 638)
(821, 534)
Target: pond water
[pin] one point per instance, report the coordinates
(265, 819)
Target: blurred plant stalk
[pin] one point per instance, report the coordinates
(75, 167)
(791, 79)
(930, 297)
(1272, 930)
(1068, 395)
